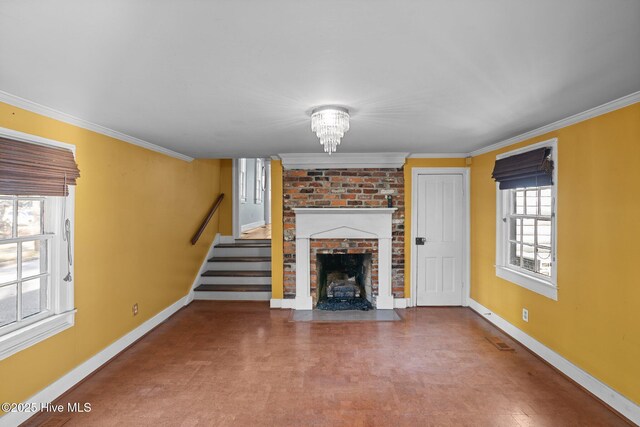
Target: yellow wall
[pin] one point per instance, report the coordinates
(409, 165)
(594, 323)
(277, 236)
(136, 211)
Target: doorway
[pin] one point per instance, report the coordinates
(252, 199)
(440, 229)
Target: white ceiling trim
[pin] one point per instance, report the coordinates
(34, 107)
(568, 121)
(438, 155)
(307, 161)
(342, 160)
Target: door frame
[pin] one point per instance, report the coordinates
(466, 226)
(235, 206)
(235, 185)
(267, 191)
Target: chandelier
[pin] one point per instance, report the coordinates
(330, 123)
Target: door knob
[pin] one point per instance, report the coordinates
(421, 240)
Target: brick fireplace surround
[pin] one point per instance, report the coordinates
(342, 188)
(343, 246)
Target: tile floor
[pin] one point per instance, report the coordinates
(241, 364)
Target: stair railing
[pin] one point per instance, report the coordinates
(204, 224)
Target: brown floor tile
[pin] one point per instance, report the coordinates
(241, 364)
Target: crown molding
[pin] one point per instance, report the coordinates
(342, 160)
(317, 160)
(568, 121)
(34, 107)
(438, 155)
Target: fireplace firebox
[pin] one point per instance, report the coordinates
(344, 281)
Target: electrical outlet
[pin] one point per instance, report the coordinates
(525, 314)
(135, 309)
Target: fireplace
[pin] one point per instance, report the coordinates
(364, 233)
(344, 281)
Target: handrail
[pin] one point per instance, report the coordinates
(215, 206)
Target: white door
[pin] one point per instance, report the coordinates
(440, 224)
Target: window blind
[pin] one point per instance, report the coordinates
(35, 170)
(531, 169)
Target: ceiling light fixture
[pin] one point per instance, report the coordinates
(330, 124)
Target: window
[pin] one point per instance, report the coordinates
(260, 180)
(24, 269)
(242, 181)
(526, 231)
(529, 221)
(36, 280)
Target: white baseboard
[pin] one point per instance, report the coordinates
(400, 302)
(251, 226)
(599, 389)
(291, 303)
(203, 268)
(275, 303)
(57, 388)
(227, 239)
(282, 303)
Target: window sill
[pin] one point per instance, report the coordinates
(34, 333)
(533, 284)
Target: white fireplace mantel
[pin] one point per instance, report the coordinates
(343, 223)
(341, 160)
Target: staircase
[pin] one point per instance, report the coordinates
(237, 271)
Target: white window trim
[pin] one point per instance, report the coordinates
(259, 181)
(528, 279)
(61, 305)
(242, 179)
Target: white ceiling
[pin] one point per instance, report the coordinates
(239, 78)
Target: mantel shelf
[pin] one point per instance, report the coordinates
(359, 211)
(342, 160)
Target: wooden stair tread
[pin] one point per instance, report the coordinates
(233, 288)
(243, 245)
(240, 259)
(234, 273)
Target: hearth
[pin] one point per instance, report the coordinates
(344, 281)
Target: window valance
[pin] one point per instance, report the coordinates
(29, 169)
(531, 169)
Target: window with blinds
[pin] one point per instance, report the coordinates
(36, 208)
(526, 217)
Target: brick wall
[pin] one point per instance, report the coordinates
(342, 188)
